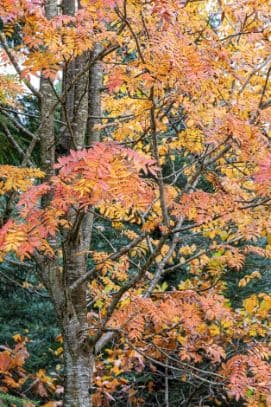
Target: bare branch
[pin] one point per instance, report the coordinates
(131, 283)
(253, 72)
(161, 266)
(17, 123)
(113, 256)
(156, 156)
(13, 141)
(17, 68)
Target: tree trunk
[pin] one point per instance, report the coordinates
(79, 368)
(46, 130)
(75, 107)
(81, 109)
(78, 365)
(94, 98)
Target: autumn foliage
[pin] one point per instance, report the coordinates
(87, 178)
(182, 175)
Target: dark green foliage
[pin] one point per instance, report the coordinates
(253, 262)
(6, 400)
(28, 117)
(27, 311)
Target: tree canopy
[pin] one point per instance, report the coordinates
(140, 185)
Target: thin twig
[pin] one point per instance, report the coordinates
(17, 68)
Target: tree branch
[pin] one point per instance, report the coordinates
(12, 140)
(113, 256)
(17, 68)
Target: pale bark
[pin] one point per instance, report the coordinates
(80, 108)
(46, 129)
(65, 140)
(75, 107)
(94, 98)
(78, 354)
(79, 367)
(66, 137)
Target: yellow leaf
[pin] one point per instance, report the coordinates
(250, 304)
(181, 339)
(226, 323)
(99, 304)
(214, 330)
(17, 338)
(59, 351)
(243, 282)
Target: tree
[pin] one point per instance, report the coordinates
(165, 107)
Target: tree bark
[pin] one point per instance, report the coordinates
(80, 109)
(78, 353)
(78, 378)
(65, 139)
(94, 98)
(75, 107)
(46, 130)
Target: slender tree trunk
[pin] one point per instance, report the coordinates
(94, 98)
(78, 353)
(81, 110)
(75, 107)
(65, 142)
(46, 131)
(79, 369)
